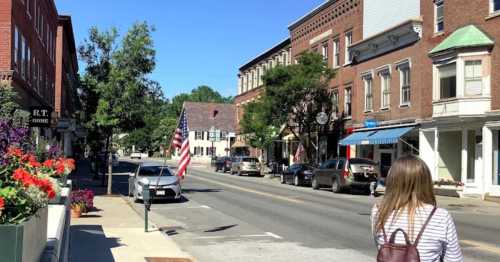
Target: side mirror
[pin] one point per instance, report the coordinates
(131, 174)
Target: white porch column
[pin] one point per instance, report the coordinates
(484, 180)
(428, 149)
(465, 149)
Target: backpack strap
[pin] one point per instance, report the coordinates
(424, 226)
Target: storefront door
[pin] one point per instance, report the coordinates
(386, 159)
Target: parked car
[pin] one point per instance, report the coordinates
(163, 183)
(344, 174)
(222, 164)
(138, 155)
(245, 165)
(297, 174)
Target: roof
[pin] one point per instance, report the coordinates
(200, 116)
(266, 54)
(312, 13)
(467, 36)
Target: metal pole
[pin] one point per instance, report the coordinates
(145, 218)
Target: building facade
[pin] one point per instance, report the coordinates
(66, 85)
(250, 87)
(27, 49)
(206, 120)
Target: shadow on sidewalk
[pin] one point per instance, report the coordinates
(88, 243)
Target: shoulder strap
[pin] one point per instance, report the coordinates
(424, 226)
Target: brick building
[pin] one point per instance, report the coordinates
(27, 52)
(250, 87)
(66, 84)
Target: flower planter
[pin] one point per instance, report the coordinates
(76, 212)
(24, 242)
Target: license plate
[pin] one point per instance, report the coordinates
(160, 193)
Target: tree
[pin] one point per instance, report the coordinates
(8, 103)
(117, 74)
(293, 97)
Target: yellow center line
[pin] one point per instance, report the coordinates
(482, 246)
(278, 197)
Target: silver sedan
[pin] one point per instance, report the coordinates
(162, 182)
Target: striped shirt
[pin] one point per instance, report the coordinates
(439, 239)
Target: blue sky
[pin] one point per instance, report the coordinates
(198, 41)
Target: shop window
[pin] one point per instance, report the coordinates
(473, 78)
(16, 46)
(368, 93)
(439, 15)
(347, 102)
(448, 81)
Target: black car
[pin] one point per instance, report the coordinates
(344, 174)
(297, 174)
(222, 164)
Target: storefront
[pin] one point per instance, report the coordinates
(383, 144)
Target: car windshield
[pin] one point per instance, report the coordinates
(250, 159)
(154, 171)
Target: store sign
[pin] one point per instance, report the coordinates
(40, 116)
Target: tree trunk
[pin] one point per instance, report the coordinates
(110, 164)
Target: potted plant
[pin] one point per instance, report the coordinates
(24, 192)
(82, 201)
(77, 209)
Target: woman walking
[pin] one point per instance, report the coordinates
(408, 217)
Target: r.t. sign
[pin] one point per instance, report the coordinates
(40, 116)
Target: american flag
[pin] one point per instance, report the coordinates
(181, 141)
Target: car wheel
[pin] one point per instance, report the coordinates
(296, 180)
(314, 183)
(136, 199)
(336, 188)
(238, 173)
(282, 179)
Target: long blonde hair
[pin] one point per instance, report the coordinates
(408, 186)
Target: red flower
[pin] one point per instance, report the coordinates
(2, 203)
(48, 163)
(24, 177)
(33, 162)
(15, 151)
(60, 168)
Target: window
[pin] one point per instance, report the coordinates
(348, 42)
(335, 101)
(23, 57)
(448, 81)
(28, 62)
(336, 53)
(368, 93)
(198, 135)
(473, 78)
(385, 89)
(34, 70)
(16, 46)
(198, 151)
(495, 5)
(439, 15)
(405, 84)
(285, 58)
(324, 51)
(210, 151)
(347, 101)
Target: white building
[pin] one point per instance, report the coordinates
(204, 117)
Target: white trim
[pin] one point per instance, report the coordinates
(346, 46)
(436, 2)
(382, 76)
(492, 11)
(400, 69)
(320, 37)
(403, 62)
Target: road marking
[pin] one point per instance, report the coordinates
(279, 197)
(482, 246)
(273, 235)
(179, 207)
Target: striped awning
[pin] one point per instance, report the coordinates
(376, 137)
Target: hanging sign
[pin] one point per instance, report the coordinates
(40, 116)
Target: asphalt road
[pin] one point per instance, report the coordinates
(229, 218)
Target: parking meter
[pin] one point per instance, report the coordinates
(146, 197)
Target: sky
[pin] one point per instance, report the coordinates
(198, 42)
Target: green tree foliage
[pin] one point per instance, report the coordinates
(257, 125)
(116, 80)
(293, 96)
(8, 104)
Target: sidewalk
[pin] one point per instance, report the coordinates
(115, 232)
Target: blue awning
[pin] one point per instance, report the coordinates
(376, 137)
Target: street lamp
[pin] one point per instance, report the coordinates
(321, 119)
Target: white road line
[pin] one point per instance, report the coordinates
(273, 235)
